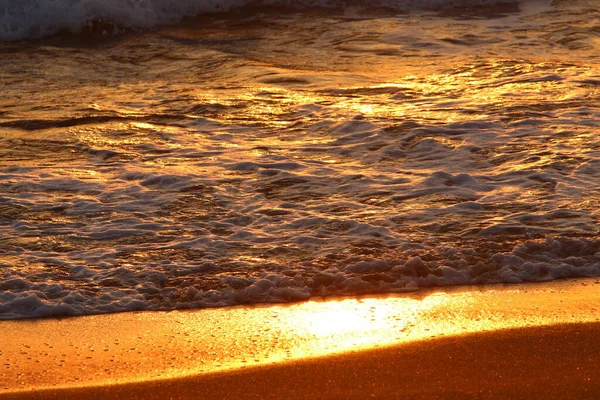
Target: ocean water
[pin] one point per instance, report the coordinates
(161, 154)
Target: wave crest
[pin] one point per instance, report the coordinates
(39, 18)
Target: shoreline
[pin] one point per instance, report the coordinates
(530, 362)
(172, 354)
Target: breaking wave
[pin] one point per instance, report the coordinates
(39, 18)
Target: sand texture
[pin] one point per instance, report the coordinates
(534, 340)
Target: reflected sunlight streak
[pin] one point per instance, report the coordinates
(336, 326)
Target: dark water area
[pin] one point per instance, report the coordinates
(273, 154)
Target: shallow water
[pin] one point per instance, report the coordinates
(274, 154)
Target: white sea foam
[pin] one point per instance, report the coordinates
(123, 289)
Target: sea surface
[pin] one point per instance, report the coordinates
(162, 154)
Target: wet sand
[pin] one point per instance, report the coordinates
(533, 340)
(541, 362)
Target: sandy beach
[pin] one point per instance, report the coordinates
(499, 341)
(521, 363)
(231, 199)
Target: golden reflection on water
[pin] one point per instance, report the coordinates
(440, 96)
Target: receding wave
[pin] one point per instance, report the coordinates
(124, 289)
(274, 156)
(39, 18)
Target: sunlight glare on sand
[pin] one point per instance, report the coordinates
(350, 323)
